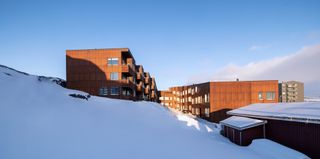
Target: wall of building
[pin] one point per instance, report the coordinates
(211, 100)
(303, 137)
(89, 71)
(242, 137)
(225, 96)
(291, 91)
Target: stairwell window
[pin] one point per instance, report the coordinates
(260, 96)
(114, 76)
(113, 61)
(115, 91)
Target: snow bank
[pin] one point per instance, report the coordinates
(303, 111)
(38, 119)
(264, 146)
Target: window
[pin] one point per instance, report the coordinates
(207, 112)
(113, 61)
(103, 91)
(115, 90)
(196, 89)
(260, 96)
(271, 95)
(197, 111)
(114, 76)
(205, 98)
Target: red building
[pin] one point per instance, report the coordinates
(211, 100)
(109, 73)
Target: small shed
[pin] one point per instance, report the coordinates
(242, 130)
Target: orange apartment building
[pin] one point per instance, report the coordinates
(109, 73)
(211, 100)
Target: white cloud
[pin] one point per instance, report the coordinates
(303, 65)
(259, 47)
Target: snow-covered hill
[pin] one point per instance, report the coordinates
(40, 120)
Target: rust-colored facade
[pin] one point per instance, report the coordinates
(211, 100)
(109, 73)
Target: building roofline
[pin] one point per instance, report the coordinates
(245, 127)
(121, 49)
(124, 48)
(245, 81)
(294, 119)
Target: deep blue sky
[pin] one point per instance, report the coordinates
(172, 39)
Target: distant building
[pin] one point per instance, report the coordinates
(295, 125)
(291, 91)
(211, 100)
(109, 73)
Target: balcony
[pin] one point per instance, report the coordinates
(147, 80)
(153, 86)
(127, 82)
(140, 76)
(140, 87)
(147, 90)
(153, 95)
(128, 69)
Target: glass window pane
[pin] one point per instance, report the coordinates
(114, 75)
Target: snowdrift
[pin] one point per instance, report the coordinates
(40, 120)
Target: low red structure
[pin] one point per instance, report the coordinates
(242, 130)
(295, 125)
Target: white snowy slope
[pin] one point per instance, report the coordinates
(39, 120)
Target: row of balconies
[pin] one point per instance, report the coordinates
(146, 85)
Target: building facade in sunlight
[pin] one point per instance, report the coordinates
(291, 91)
(211, 100)
(109, 73)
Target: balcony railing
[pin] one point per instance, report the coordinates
(140, 87)
(126, 81)
(140, 76)
(128, 69)
(147, 90)
(147, 80)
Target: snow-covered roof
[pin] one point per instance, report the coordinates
(308, 112)
(241, 123)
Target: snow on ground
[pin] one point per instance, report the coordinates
(38, 119)
(312, 99)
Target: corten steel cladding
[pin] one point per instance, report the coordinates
(89, 71)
